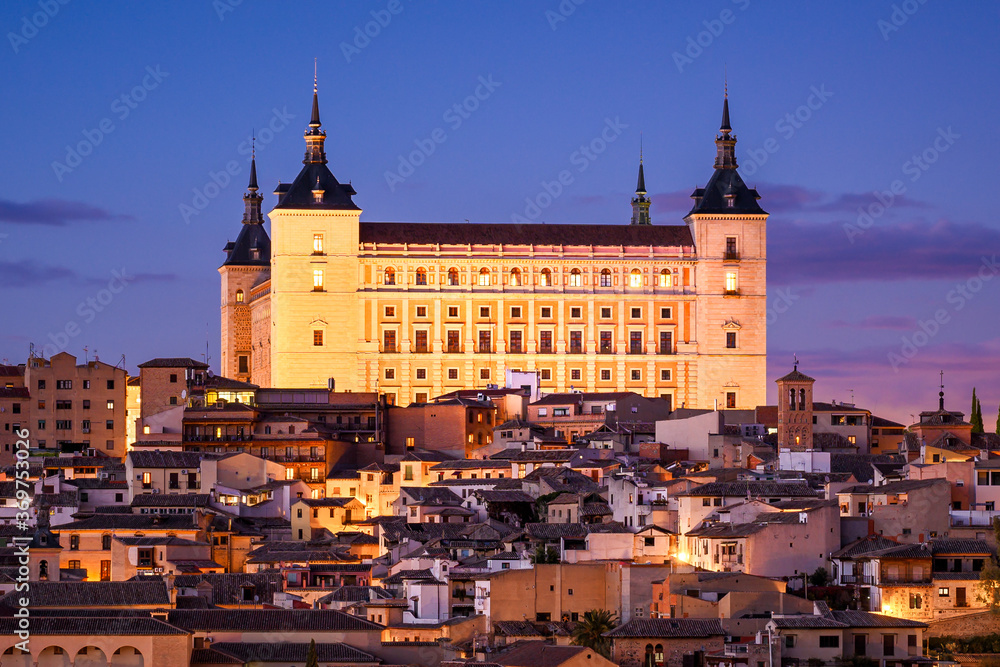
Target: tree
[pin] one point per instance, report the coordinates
(590, 631)
(543, 555)
(988, 587)
(820, 577)
(977, 414)
(311, 659)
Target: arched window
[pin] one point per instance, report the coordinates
(635, 278)
(649, 657)
(791, 399)
(666, 280)
(239, 296)
(43, 570)
(452, 276)
(575, 279)
(390, 276)
(802, 399)
(484, 277)
(515, 277)
(658, 654)
(605, 277)
(421, 276)
(546, 278)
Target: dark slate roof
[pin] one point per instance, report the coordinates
(209, 656)
(91, 594)
(867, 619)
(712, 198)
(892, 488)
(356, 594)
(269, 620)
(315, 175)
(865, 545)
(144, 522)
(544, 455)
(795, 376)
(493, 496)
(174, 362)
(751, 488)
(428, 495)
(252, 235)
(553, 531)
(862, 465)
(539, 654)
(668, 627)
(807, 621)
(515, 629)
(165, 459)
(171, 500)
(253, 652)
(92, 626)
(532, 234)
(227, 587)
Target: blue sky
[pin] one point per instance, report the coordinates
(831, 102)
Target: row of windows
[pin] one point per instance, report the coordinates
(67, 425)
(516, 343)
(575, 374)
(545, 312)
(515, 278)
(68, 384)
(65, 405)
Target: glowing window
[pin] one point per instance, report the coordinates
(515, 277)
(390, 276)
(666, 280)
(545, 280)
(484, 276)
(575, 279)
(239, 296)
(452, 276)
(731, 281)
(605, 277)
(317, 243)
(635, 278)
(317, 280)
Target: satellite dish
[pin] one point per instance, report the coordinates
(184, 393)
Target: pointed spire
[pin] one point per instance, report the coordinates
(725, 142)
(640, 203)
(640, 186)
(252, 186)
(315, 137)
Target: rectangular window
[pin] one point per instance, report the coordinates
(421, 311)
(576, 312)
(829, 641)
(546, 312)
(606, 346)
(389, 341)
(452, 311)
(576, 342)
(731, 252)
(64, 384)
(575, 374)
(665, 375)
(318, 244)
(105, 570)
(731, 285)
(41, 384)
(484, 312)
(545, 342)
(636, 374)
(173, 377)
(421, 397)
(243, 364)
(390, 311)
(731, 400)
(605, 313)
(422, 375)
(516, 344)
(64, 405)
(109, 424)
(546, 375)
(485, 342)
(390, 374)
(730, 340)
(636, 313)
(317, 337)
(635, 342)
(484, 374)
(515, 312)
(454, 345)
(666, 342)
(63, 425)
(317, 280)
(666, 313)
(420, 340)
(605, 374)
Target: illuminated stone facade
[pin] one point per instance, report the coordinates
(418, 310)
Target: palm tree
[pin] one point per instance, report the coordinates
(590, 631)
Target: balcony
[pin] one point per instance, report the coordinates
(731, 256)
(731, 292)
(857, 579)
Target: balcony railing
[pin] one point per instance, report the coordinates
(732, 292)
(857, 579)
(731, 256)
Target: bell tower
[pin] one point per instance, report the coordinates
(795, 411)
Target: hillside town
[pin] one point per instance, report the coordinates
(181, 517)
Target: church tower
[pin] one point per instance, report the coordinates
(314, 304)
(795, 411)
(729, 230)
(248, 262)
(640, 203)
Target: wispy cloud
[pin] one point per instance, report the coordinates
(31, 273)
(54, 213)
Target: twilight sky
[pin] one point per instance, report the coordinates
(120, 121)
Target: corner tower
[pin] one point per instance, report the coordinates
(730, 232)
(314, 302)
(248, 263)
